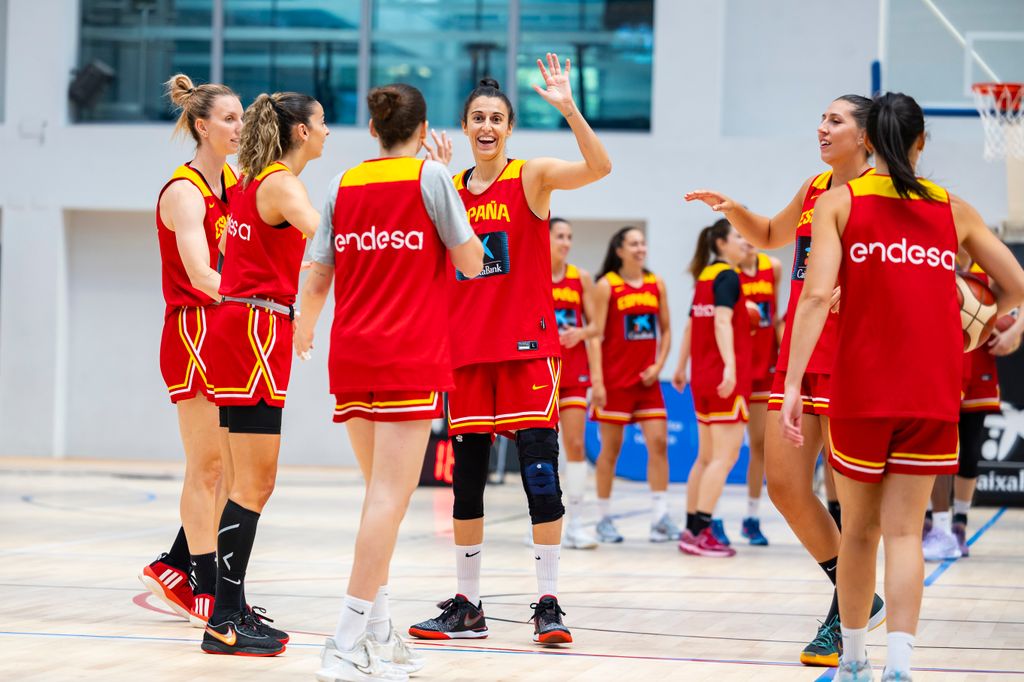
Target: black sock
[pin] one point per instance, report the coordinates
(833, 609)
(691, 522)
(960, 518)
(204, 573)
(830, 568)
(928, 514)
(178, 555)
(701, 522)
(234, 544)
(834, 512)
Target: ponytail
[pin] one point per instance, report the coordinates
(707, 243)
(895, 122)
(193, 101)
(267, 129)
(612, 260)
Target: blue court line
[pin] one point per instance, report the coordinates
(944, 566)
(827, 675)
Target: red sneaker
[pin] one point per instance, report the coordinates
(170, 585)
(704, 544)
(202, 607)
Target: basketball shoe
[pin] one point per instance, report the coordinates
(168, 584)
(718, 530)
(396, 652)
(578, 537)
(240, 635)
(607, 532)
(854, 671)
(458, 620)
(704, 544)
(361, 662)
(665, 530)
(824, 649)
(939, 545)
(547, 622)
(259, 615)
(751, 530)
(960, 533)
(895, 676)
(202, 607)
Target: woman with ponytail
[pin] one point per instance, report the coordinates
(190, 218)
(789, 470)
(270, 218)
(505, 346)
(717, 340)
(634, 333)
(897, 375)
(394, 219)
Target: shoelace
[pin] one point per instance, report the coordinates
(546, 605)
(448, 608)
(827, 635)
(260, 614)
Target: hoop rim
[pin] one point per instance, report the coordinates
(997, 88)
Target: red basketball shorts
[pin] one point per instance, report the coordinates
(865, 449)
(572, 398)
(981, 389)
(711, 409)
(251, 356)
(504, 397)
(761, 388)
(184, 345)
(815, 392)
(631, 404)
(387, 406)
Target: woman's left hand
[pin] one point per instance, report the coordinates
(441, 151)
(558, 90)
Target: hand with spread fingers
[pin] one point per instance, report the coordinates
(557, 89)
(441, 150)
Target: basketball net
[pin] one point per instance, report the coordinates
(1000, 108)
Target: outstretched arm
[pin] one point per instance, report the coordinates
(761, 231)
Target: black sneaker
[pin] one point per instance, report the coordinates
(547, 622)
(458, 620)
(259, 615)
(825, 648)
(240, 635)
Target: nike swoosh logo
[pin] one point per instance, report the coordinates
(468, 555)
(830, 570)
(365, 669)
(537, 558)
(212, 205)
(470, 622)
(537, 388)
(233, 582)
(361, 613)
(228, 639)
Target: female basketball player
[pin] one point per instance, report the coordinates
(573, 291)
(388, 219)
(191, 215)
(631, 313)
(717, 338)
(790, 471)
(505, 344)
(894, 428)
(270, 219)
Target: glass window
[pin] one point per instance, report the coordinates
(610, 43)
(443, 47)
(309, 46)
(144, 42)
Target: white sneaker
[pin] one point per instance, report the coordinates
(854, 671)
(396, 652)
(362, 662)
(939, 545)
(578, 537)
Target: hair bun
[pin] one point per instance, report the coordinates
(383, 102)
(489, 83)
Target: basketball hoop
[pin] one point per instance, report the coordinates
(999, 105)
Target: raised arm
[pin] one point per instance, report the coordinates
(183, 210)
(761, 231)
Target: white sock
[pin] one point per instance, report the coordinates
(575, 482)
(604, 507)
(961, 506)
(855, 646)
(943, 521)
(929, 505)
(753, 503)
(659, 506)
(547, 568)
(467, 571)
(901, 646)
(380, 616)
(355, 614)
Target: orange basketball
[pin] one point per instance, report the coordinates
(977, 310)
(1006, 321)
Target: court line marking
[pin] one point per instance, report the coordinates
(944, 566)
(84, 541)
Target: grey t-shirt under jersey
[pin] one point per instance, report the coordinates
(441, 199)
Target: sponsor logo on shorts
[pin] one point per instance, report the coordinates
(537, 388)
(902, 253)
(496, 256)
(641, 327)
(379, 240)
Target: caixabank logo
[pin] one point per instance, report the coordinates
(566, 318)
(496, 256)
(642, 327)
(1001, 469)
(800, 256)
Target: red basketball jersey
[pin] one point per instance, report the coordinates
(178, 290)
(980, 360)
(825, 351)
(900, 349)
(630, 342)
(260, 259)
(760, 289)
(706, 363)
(390, 330)
(506, 312)
(568, 297)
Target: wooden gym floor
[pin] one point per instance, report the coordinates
(76, 534)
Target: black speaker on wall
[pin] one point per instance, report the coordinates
(89, 83)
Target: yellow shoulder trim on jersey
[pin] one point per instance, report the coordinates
(614, 279)
(822, 180)
(571, 271)
(764, 262)
(650, 278)
(401, 169)
(881, 185)
(272, 168)
(457, 180)
(713, 270)
(192, 176)
(230, 179)
(977, 268)
(512, 170)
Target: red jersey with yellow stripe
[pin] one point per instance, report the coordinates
(759, 288)
(178, 289)
(706, 364)
(630, 343)
(981, 380)
(900, 350)
(506, 312)
(568, 297)
(386, 337)
(260, 260)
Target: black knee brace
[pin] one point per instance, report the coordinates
(259, 419)
(469, 474)
(972, 436)
(538, 463)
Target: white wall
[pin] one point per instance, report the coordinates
(738, 90)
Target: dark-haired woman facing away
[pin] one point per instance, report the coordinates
(789, 470)
(632, 318)
(190, 218)
(384, 233)
(505, 344)
(269, 221)
(897, 376)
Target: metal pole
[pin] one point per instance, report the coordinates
(217, 43)
(512, 53)
(363, 69)
(948, 25)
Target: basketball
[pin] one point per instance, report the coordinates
(1005, 322)
(977, 310)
